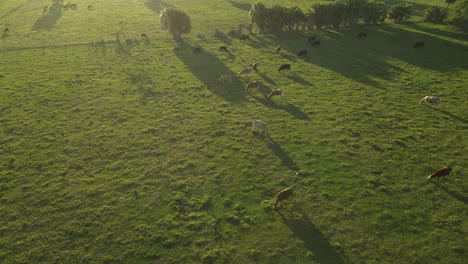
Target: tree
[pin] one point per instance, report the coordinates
(434, 14)
(459, 17)
(353, 11)
(400, 12)
(374, 12)
(175, 22)
(449, 2)
(259, 15)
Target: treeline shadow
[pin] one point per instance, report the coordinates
(158, 5)
(48, 20)
(241, 6)
(314, 240)
(208, 68)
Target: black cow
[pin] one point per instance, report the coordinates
(284, 67)
(312, 39)
(244, 37)
(197, 50)
(278, 49)
(302, 53)
(316, 43)
(362, 35)
(144, 36)
(223, 48)
(419, 44)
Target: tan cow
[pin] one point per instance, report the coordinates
(283, 195)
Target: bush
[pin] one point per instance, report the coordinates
(459, 17)
(400, 12)
(434, 14)
(374, 12)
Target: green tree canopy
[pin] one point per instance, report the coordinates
(175, 22)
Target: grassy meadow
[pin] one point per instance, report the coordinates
(131, 153)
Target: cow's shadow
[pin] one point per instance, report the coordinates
(158, 5)
(454, 194)
(282, 155)
(314, 240)
(293, 110)
(463, 120)
(207, 68)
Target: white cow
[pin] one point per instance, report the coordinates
(247, 71)
(259, 125)
(430, 100)
(225, 78)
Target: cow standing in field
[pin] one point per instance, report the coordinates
(441, 172)
(418, 44)
(197, 50)
(247, 71)
(284, 67)
(361, 35)
(252, 85)
(430, 100)
(244, 37)
(283, 195)
(223, 48)
(312, 38)
(278, 49)
(276, 92)
(259, 125)
(144, 36)
(315, 43)
(254, 66)
(302, 53)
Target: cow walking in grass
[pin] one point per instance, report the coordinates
(259, 125)
(431, 100)
(283, 195)
(245, 71)
(441, 172)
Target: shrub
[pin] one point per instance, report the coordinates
(459, 17)
(400, 12)
(434, 14)
(374, 12)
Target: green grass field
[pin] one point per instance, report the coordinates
(135, 154)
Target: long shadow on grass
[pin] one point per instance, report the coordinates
(241, 6)
(50, 19)
(461, 119)
(314, 240)
(207, 68)
(454, 194)
(291, 109)
(283, 156)
(158, 5)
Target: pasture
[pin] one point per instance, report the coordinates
(133, 153)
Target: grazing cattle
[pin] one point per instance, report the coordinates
(225, 78)
(278, 49)
(45, 9)
(283, 195)
(430, 100)
(197, 50)
(419, 44)
(247, 71)
(244, 37)
(312, 38)
(361, 35)
(276, 92)
(252, 84)
(254, 66)
(315, 43)
(259, 125)
(144, 36)
(73, 6)
(223, 48)
(302, 53)
(441, 172)
(6, 30)
(284, 67)
(90, 7)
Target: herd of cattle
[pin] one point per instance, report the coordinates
(260, 126)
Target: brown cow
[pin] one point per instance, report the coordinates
(276, 92)
(441, 172)
(283, 195)
(254, 66)
(278, 49)
(252, 84)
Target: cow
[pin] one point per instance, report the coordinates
(244, 37)
(441, 172)
(284, 67)
(45, 9)
(430, 100)
(315, 43)
(197, 50)
(252, 84)
(225, 78)
(73, 6)
(276, 92)
(283, 195)
(90, 7)
(6, 30)
(259, 125)
(254, 66)
(418, 44)
(278, 49)
(176, 49)
(223, 48)
(312, 38)
(302, 53)
(144, 36)
(247, 71)
(361, 35)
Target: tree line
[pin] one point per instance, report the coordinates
(341, 13)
